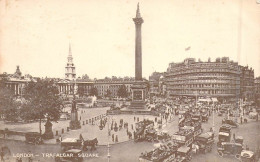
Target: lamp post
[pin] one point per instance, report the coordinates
(108, 135)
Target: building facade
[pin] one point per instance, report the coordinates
(257, 91)
(103, 86)
(16, 82)
(247, 83)
(196, 78)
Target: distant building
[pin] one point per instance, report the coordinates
(247, 83)
(154, 83)
(257, 90)
(16, 82)
(212, 79)
(112, 85)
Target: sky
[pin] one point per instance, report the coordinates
(36, 34)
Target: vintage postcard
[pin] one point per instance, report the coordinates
(129, 80)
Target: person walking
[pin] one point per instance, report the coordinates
(113, 137)
(2, 154)
(30, 158)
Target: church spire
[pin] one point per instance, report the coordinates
(138, 15)
(70, 54)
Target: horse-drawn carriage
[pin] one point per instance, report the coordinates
(70, 143)
(33, 138)
(91, 143)
(74, 155)
(76, 143)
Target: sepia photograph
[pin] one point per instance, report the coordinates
(129, 81)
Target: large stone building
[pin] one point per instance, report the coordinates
(105, 85)
(220, 78)
(16, 82)
(68, 87)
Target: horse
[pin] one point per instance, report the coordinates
(129, 135)
(91, 143)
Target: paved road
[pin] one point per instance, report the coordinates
(130, 151)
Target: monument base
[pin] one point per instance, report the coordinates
(48, 135)
(75, 125)
(137, 105)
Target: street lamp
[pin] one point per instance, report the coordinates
(108, 134)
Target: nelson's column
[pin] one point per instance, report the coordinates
(139, 87)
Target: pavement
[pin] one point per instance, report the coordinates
(130, 151)
(88, 131)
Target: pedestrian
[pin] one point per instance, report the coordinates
(30, 158)
(241, 119)
(134, 118)
(113, 137)
(116, 138)
(19, 159)
(132, 126)
(234, 136)
(2, 154)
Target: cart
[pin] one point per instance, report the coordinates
(33, 138)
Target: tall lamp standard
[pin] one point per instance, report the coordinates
(108, 135)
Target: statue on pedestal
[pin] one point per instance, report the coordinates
(74, 123)
(48, 134)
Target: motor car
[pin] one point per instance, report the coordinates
(205, 117)
(253, 115)
(239, 139)
(183, 154)
(205, 141)
(230, 122)
(228, 148)
(247, 156)
(73, 155)
(33, 138)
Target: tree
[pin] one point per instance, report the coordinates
(85, 77)
(93, 91)
(108, 94)
(81, 91)
(42, 101)
(122, 92)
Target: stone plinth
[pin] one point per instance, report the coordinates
(48, 134)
